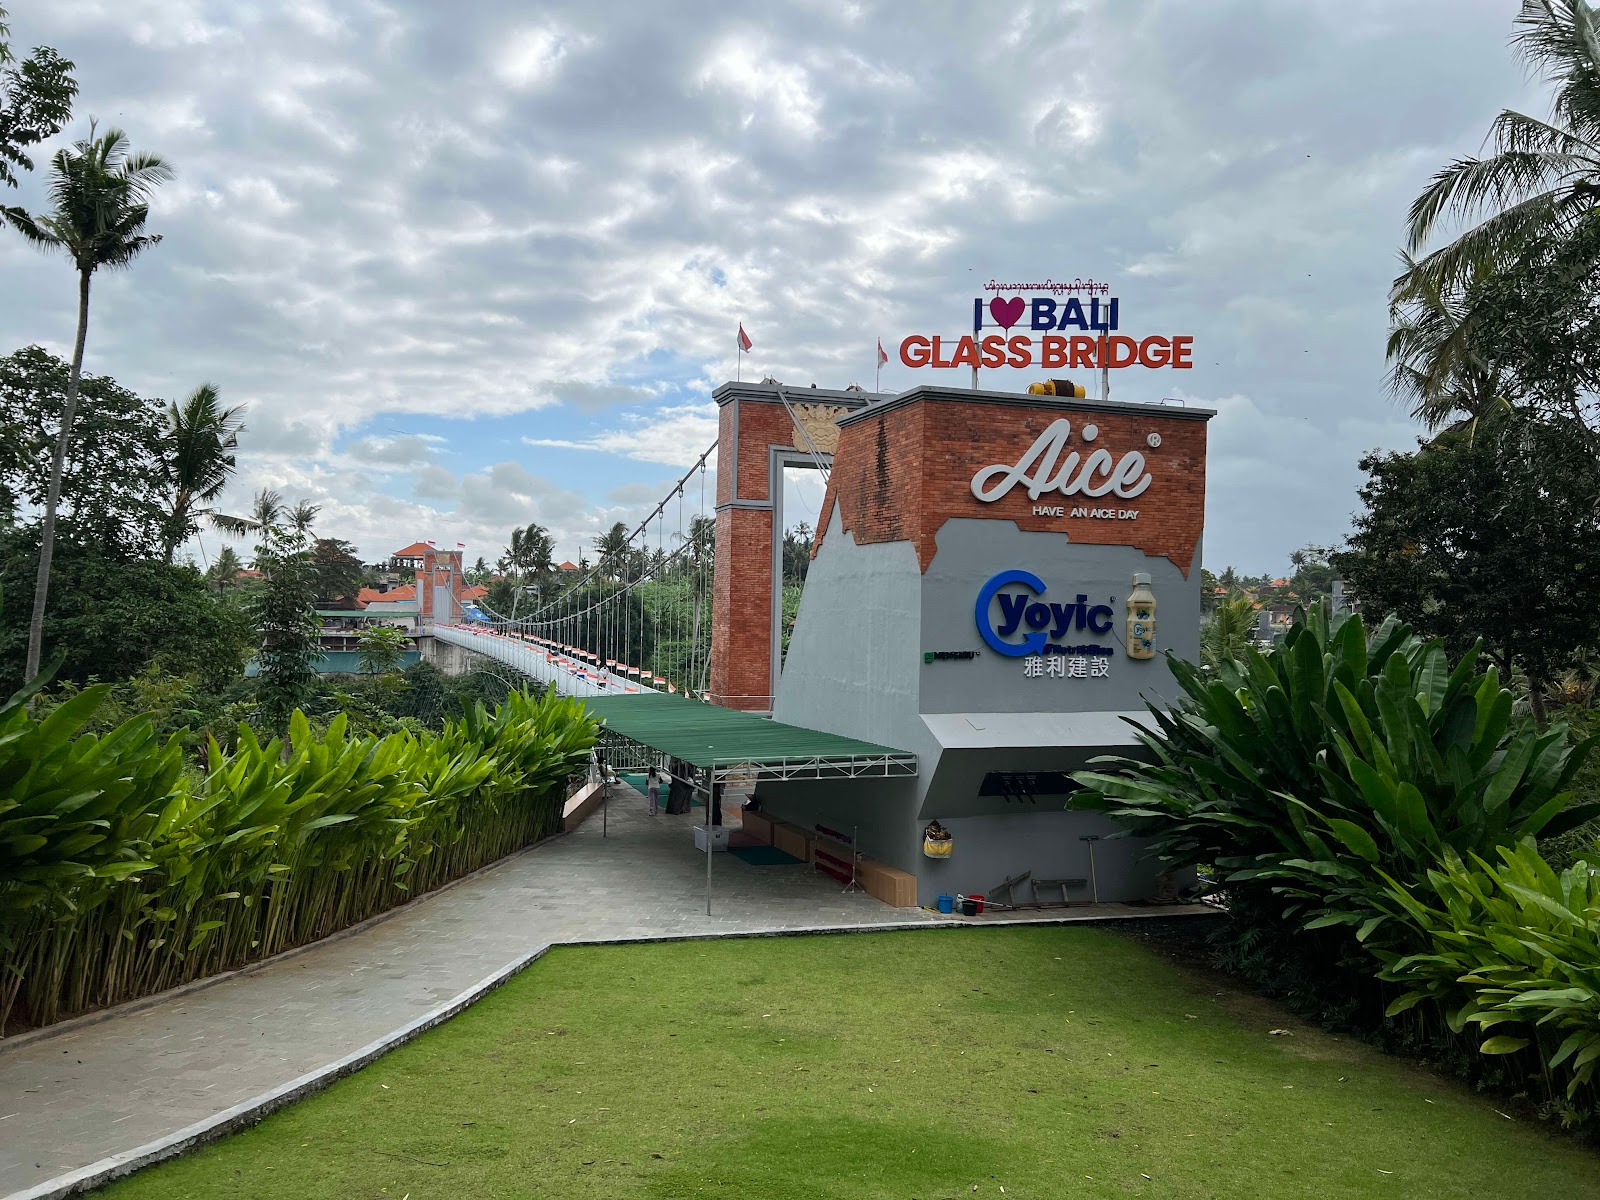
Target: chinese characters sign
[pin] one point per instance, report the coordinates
(1056, 666)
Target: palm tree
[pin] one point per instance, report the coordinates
(612, 546)
(1226, 635)
(1543, 177)
(225, 571)
(274, 520)
(199, 442)
(98, 192)
(1435, 367)
(531, 551)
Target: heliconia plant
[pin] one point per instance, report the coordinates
(122, 874)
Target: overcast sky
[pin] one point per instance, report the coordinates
(479, 264)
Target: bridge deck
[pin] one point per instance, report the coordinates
(571, 674)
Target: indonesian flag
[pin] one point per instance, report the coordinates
(882, 357)
(744, 339)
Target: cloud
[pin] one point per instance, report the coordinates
(591, 397)
(406, 450)
(535, 233)
(673, 435)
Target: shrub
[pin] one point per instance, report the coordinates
(121, 875)
(1353, 791)
(1317, 765)
(1512, 951)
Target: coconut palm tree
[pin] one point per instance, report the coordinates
(1543, 177)
(612, 547)
(224, 573)
(1435, 368)
(99, 192)
(197, 462)
(531, 551)
(274, 520)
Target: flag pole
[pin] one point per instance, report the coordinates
(877, 374)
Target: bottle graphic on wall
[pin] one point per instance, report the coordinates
(1141, 642)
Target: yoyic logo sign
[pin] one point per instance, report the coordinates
(1044, 621)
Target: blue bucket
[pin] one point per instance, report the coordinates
(947, 904)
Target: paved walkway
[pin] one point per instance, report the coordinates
(105, 1088)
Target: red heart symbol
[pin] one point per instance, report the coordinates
(1007, 312)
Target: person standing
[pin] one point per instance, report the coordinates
(654, 788)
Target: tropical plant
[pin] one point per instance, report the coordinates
(1311, 767)
(1226, 634)
(121, 875)
(197, 462)
(99, 192)
(1511, 950)
(1543, 176)
(35, 102)
(381, 648)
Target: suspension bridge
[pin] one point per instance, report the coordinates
(637, 622)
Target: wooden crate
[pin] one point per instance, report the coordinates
(759, 826)
(894, 887)
(791, 839)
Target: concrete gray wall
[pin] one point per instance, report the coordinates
(1044, 841)
(856, 667)
(852, 669)
(971, 551)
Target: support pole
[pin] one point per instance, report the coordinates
(710, 783)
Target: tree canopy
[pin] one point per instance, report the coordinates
(1491, 532)
(36, 97)
(111, 479)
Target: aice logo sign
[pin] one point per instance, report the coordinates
(1045, 621)
(1043, 469)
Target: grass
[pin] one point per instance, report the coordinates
(1052, 1062)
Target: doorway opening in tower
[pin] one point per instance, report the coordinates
(799, 502)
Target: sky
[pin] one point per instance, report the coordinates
(474, 265)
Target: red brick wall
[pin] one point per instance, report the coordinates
(901, 475)
(741, 614)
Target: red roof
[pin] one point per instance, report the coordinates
(568, 566)
(369, 595)
(415, 550)
(476, 592)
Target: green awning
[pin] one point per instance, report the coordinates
(723, 739)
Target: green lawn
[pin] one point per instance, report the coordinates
(1052, 1062)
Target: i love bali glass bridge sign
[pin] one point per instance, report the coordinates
(1063, 325)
